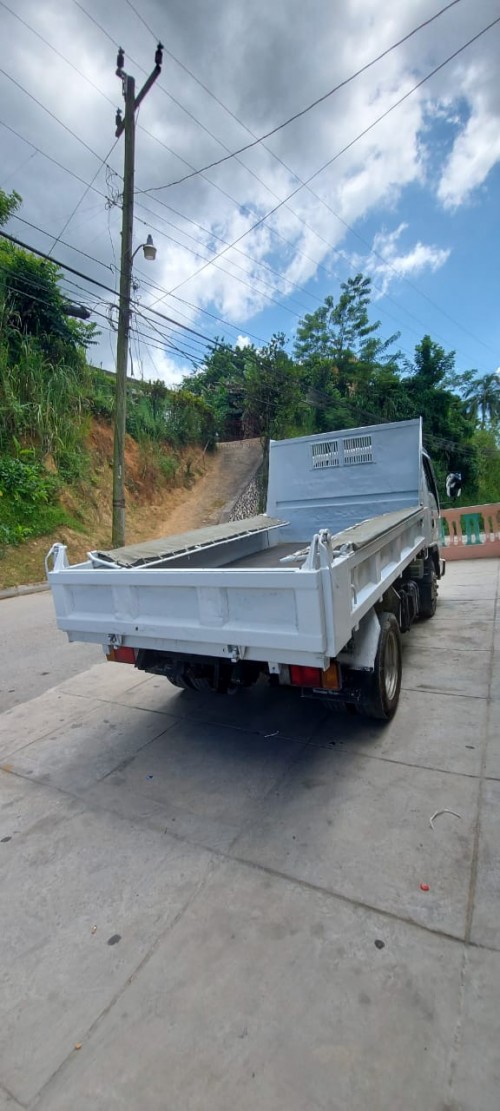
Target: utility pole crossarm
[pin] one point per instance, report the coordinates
(120, 124)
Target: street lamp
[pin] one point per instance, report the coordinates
(149, 249)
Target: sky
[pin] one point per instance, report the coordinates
(410, 199)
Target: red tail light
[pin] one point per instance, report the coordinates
(305, 676)
(315, 677)
(122, 655)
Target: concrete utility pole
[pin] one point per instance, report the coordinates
(126, 124)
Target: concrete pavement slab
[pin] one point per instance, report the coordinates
(76, 755)
(451, 669)
(7, 1102)
(429, 730)
(469, 612)
(207, 780)
(472, 568)
(34, 654)
(486, 917)
(30, 721)
(268, 995)
(58, 974)
(157, 694)
(269, 710)
(449, 627)
(104, 680)
(492, 761)
(258, 709)
(23, 806)
(360, 828)
(476, 1076)
(471, 588)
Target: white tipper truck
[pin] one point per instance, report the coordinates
(314, 594)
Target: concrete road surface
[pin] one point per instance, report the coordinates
(34, 654)
(211, 905)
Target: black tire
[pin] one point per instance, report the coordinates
(428, 592)
(380, 696)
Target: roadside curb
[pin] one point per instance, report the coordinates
(29, 588)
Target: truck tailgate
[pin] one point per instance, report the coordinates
(276, 614)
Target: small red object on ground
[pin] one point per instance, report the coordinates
(424, 887)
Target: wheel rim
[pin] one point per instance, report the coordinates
(391, 666)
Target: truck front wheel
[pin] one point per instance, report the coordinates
(380, 696)
(427, 590)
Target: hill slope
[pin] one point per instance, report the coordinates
(205, 485)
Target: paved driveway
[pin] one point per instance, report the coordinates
(217, 905)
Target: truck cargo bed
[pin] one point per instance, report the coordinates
(257, 607)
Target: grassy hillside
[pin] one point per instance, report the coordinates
(158, 480)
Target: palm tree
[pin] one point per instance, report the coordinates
(483, 399)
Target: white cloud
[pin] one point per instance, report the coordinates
(243, 341)
(388, 262)
(475, 152)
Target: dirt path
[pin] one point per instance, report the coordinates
(227, 474)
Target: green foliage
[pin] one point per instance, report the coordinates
(28, 505)
(43, 404)
(9, 204)
(448, 427)
(157, 464)
(482, 396)
(347, 368)
(221, 385)
(33, 306)
(272, 406)
(488, 478)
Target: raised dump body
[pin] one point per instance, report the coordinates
(351, 532)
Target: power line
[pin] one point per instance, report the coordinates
(251, 284)
(319, 395)
(274, 231)
(219, 188)
(51, 114)
(152, 285)
(198, 308)
(107, 266)
(314, 103)
(101, 285)
(347, 147)
(49, 157)
(73, 212)
(187, 351)
(313, 193)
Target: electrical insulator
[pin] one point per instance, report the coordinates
(118, 118)
(120, 59)
(159, 54)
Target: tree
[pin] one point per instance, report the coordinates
(220, 382)
(488, 483)
(347, 366)
(448, 427)
(483, 399)
(272, 395)
(9, 204)
(34, 306)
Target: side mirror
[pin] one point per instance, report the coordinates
(454, 485)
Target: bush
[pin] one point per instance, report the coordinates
(28, 501)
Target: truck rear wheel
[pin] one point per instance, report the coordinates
(380, 696)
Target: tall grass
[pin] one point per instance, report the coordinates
(44, 406)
